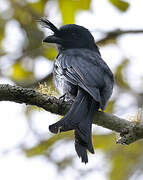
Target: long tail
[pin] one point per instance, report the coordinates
(79, 118)
(77, 112)
(83, 134)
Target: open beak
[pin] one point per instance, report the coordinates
(53, 39)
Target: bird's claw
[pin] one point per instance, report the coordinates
(62, 98)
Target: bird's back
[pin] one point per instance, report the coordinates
(84, 68)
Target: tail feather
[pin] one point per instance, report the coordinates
(77, 112)
(79, 118)
(83, 134)
(80, 147)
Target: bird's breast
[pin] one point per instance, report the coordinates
(61, 83)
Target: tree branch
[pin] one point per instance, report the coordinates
(31, 96)
(129, 131)
(115, 34)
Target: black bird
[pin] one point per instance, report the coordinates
(79, 74)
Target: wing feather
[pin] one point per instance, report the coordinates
(89, 71)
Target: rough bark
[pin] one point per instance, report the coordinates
(129, 131)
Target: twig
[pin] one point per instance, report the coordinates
(115, 34)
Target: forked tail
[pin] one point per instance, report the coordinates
(79, 118)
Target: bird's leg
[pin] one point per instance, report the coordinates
(66, 97)
(63, 97)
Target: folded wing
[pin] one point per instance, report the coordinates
(88, 71)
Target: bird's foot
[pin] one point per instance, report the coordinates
(62, 98)
(66, 98)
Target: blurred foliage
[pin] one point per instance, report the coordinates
(19, 73)
(19, 66)
(110, 107)
(119, 74)
(119, 4)
(70, 7)
(123, 159)
(43, 146)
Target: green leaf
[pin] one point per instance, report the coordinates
(38, 7)
(2, 31)
(50, 52)
(82, 4)
(68, 9)
(104, 142)
(119, 4)
(119, 76)
(19, 73)
(110, 106)
(124, 159)
(43, 146)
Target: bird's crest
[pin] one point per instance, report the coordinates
(47, 24)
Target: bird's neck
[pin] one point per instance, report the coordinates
(96, 49)
(92, 48)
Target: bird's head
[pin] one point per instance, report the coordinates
(69, 36)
